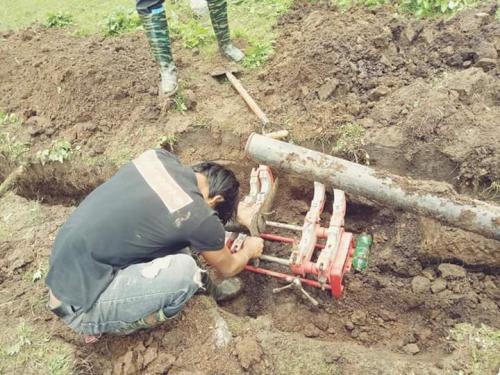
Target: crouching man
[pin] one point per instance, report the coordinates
(123, 259)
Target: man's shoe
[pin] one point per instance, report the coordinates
(168, 84)
(232, 52)
(223, 290)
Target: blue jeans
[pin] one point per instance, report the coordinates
(161, 287)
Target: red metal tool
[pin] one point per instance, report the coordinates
(334, 257)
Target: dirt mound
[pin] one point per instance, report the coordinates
(381, 69)
(43, 79)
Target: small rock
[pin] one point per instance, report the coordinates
(420, 284)
(364, 336)
(455, 60)
(429, 273)
(387, 316)
(269, 91)
(99, 149)
(190, 100)
(150, 355)
(409, 338)
(441, 364)
(410, 34)
(330, 358)
(481, 15)
(331, 331)
(249, 352)
(355, 333)
(486, 64)
(349, 326)
(451, 271)
(467, 63)
(385, 60)
(438, 286)
(358, 317)
(164, 361)
(378, 93)
(310, 330)
(411, 349)
(327, 89)
(322, 321)
(486, 50)
(428, 35)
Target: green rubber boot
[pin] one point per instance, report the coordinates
(156, 28)
(218, 15)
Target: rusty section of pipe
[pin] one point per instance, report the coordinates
(426, 198)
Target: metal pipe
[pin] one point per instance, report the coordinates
(275, 237)
(269, 258)
(284, 225)
(286, 277)
(427, 198)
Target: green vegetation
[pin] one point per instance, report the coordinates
(59, 19)
(257, 54)
(11, 147)
(168, 141)
(180, 102)
(346, 4)
(479, 345)
(27, 349)
(426, 8)
(60, 150)
(9, 118)
(349, 143)
(493, 191)
(192, 33)
(120, 21)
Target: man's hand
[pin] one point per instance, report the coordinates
(253, 246)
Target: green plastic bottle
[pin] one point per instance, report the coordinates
(361, 252)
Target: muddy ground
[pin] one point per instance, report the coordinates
(427, 95)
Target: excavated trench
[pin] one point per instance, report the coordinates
(407, 296)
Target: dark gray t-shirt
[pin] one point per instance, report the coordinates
(150, 208)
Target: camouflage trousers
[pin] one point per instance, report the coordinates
(155, 25)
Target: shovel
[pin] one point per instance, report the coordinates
(229, 73)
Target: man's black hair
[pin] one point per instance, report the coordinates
(221, 181)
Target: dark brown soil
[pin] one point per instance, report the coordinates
(430, 105)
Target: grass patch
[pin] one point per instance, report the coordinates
(9, 119)
(59, 19)
(60, 150)
(180, 103)
(479, 345)
(349, 143)
(11, 147)
(27, 349)
(192, 33)
(167, 142)
(493, 191)
(431, 8)
(120, 21)
(346, 4)
(258, 54)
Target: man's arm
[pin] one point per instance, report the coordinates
(229, 264)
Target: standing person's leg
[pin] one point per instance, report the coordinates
(154, 20)
(218, 15)
(140, 296)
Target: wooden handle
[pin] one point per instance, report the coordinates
(248, 99)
